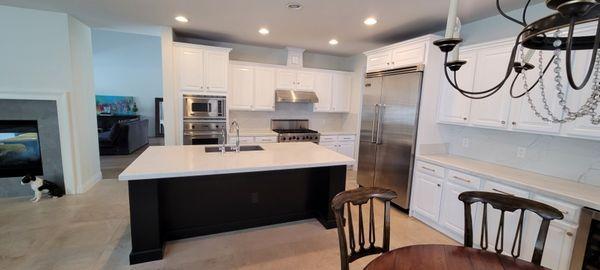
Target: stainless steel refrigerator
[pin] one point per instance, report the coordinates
(388, 130)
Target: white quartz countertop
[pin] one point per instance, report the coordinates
(567, 190)
(192, 160)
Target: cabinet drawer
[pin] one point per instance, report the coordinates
(265, 139)
(243, 140)
(328, 139)
(504, 189)
(464, 179)
(570, 211)
(345, 138)
(430, 169)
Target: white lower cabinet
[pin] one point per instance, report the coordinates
(427, 194)
(343, 144)
(434, 200)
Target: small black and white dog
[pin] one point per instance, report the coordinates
(41, 186)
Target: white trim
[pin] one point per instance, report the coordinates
(64, 127)
(425, 38)
(198, 46)
(89, 184)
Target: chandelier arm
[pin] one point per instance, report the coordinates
(524, 19)
(534, 84)
(592, 60)
(471, 95)
(507, 16)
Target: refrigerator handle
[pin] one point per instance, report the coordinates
(375, 124)
(380, 112)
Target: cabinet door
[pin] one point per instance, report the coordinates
(559, 242)
(452, 214)
(286, 79)
(427, 194)
(264, 89)
(379, 61)
(215, 71)
(324, 89)
(346, 148)
(510, 219)
(522, 116)
(408, 55)
(305, 80)
(331, 146)
(581, 127)
(189, 66)
(491, 66)
(454, 107)
(242, 88)
(342, 89)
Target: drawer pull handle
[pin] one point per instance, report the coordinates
(439, 185)
(461, 179)
(503, 192)
(569, 234)
(426, 168)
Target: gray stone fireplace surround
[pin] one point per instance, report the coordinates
(45, 112)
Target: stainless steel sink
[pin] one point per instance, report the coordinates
(213, 149)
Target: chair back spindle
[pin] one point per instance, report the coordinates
(358, 197)
(507, 203)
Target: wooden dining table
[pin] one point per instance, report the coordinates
(446, 257)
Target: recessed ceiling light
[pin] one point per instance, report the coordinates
(263, 31)
(181, 19)
(333, 42)
(370, 21)
(294, 5)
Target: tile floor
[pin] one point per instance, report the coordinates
(91, 231)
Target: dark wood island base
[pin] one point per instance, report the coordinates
(174, 208)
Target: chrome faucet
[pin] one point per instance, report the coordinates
(223, 135)
(237, 129)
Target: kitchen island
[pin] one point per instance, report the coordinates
(178, 192)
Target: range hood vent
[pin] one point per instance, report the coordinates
(292, 96)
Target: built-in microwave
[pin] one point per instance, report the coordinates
(202, 107)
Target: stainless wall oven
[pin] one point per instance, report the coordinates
(204, 132)
(203, 107)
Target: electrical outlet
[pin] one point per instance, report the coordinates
(521, 151)
(466, 142)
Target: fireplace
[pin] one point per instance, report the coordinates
(19, 148)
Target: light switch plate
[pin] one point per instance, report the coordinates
(521, 151)
(466, 142)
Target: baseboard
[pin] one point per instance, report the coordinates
(87, 185)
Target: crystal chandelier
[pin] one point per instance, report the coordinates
(542, 35)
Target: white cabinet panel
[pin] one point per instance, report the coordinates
(452, 213)
(264, 89)
(431, 169)
(581, 127)
(305, 80)
(243, 140)
(242, 82)
(453, 106)
(323, 88)
(265, 139)
(380, 61)
(346, 148)
(286, 79)
(408, 55)
(493, 111)
(330, 146)
(342, 89)
(189, 68)
(427, 194)
(559, 242)
(215, 69)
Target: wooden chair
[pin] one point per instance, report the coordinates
(358, 197)
(508, 203)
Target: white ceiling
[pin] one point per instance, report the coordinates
(310, 27)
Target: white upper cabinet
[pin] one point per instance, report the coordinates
(201, 68)
(493, 111)
(252, 88)
(453, 106)
(379, 61)
(522, 116)
(342, 89)
(291, 79)
(323, 88)
(242, 87)
(264, 89)
(396, 56)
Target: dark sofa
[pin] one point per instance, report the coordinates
(124, 137)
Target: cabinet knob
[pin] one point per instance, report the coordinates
(388, 63)
(439, 185)
(464, 118)
(569, 234)
(392, 63)
(208, 87)
(514, 123)
(503, 122)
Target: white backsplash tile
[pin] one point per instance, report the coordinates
(262, 120)
(574, 159)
